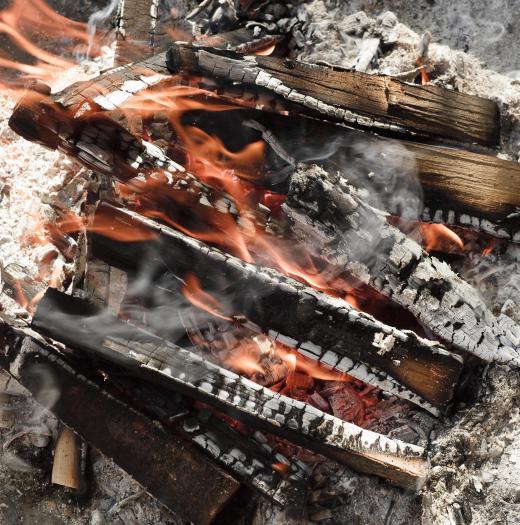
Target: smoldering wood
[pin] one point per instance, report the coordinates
(318, 326)
(136, 443)
(168, 365)
(452, 179)
(351, 97)
(329, 217)
(248, 459)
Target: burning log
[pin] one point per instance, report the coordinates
(150, 358)
(460, 187)
(169, 468)
(318, 326)
(350, 97)
(328, 215)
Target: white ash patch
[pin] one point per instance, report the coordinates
(335, 35)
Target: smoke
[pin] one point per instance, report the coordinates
(98, 18)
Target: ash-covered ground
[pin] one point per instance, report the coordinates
(475, 451)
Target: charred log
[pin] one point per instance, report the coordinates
(329, 216)
(168, 365)
(460, 187)
(354, 98)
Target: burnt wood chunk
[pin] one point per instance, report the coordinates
(172, 470)
(329, 216)
(351, 97)
(158, 361)
(320, 327)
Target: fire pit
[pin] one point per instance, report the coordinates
(271, 288)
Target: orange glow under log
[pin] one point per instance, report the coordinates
(437, 237)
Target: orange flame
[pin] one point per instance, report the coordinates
(437, 237)
(193, 291)
(24, 23)
(425, 78)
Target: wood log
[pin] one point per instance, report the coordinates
(460, 187)
(173, 471)
(66, 469)
(247, 458)
(351, 97)
(330, 218)
(168, 365)
(139, 31)
(318, 326)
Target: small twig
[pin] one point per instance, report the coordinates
(125, 501)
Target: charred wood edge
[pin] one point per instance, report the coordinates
(166, 364)
(249, 459)
(415, 280)
(326, 329)
(461, 188)
(328, 215)
(351, 97)
(134, 442)
(140, 34)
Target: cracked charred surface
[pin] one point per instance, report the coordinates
(318, 326)
(329, 216)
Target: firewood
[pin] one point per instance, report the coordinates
(66, 465)
(340, 336)
(460, 187)
(166, 364)
(248, 459)
(329, 217)
(168, 467)
(351, 97)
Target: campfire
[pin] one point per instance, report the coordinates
(255, 266)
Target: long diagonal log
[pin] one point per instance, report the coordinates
(351, 97)
(460, 187)
(249, 459)
(329, 217)
(172, 470)
(318, 326)
(155, 360)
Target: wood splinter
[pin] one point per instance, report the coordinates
(66, 468)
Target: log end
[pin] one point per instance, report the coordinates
(174, 59)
